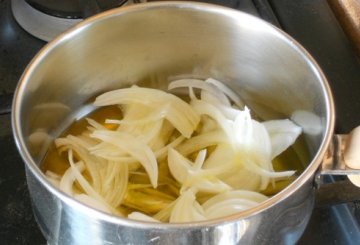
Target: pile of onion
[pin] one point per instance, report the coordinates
(172, 159)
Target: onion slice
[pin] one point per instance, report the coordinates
(134, 147)
(142, 217)
(179, 113)
(186, 209)
(283, 134)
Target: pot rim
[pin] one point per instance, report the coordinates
(203, 7)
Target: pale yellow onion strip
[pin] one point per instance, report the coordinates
(192, 94)
(204, 182)
(265, 181)
(211, 185)
(134, 112)
(105, 148)
(253, 167)
(159, 154)
(241, 178)
(252, 138)
(67, 180)
(101, 149)
(230, 93)
(186, 209)
(87, 187)
(138, 112)
(204, 108)
(235, 194)
(142, 217)
(261, 141)
(192, 176)
(135, 148)
(165, 137)
(243, 129)
(110, 173)
(200, 158)
(224, 164)
(201, 141)
(179, 166)
(154, 131)
(103, 177)
(53, 178)
(108, 182)
(92, 165)
(145, 130)
(85, 139)
(52, 175)
(283, 134)
(95, 124)
(228, 207)
(228, 111)
(200, 84)
(180, 114)
(105, 155)
(263, 162)
(164, 214)
(79, 141)
(154, 116)
(208, 125)
(222, 155)
(178, 121)
(216, 171)
(82, 181)
(120, 184)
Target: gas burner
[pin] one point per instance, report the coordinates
(44, 24)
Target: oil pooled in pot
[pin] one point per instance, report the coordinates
(147, 199)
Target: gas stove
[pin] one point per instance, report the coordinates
(312, 23)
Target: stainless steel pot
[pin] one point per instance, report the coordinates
(147, 44)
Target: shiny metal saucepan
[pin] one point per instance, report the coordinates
(152, 42)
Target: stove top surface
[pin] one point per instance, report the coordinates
(312, 23)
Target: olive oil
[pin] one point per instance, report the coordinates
(140, 195)
(58, 163)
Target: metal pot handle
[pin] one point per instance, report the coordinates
(342, 158)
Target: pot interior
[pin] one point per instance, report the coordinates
(150, 45)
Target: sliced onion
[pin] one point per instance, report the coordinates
(87, 187)
(92, 163)
(283, 134)
(134, 147)
(242, 179)
(142, 217)
(180, 114)
(67, 181)
(53, 178)
(197, 83)
(204, 108)
(228, 111)
(201, 141)
(179, 166)
(186, 209)
(235, 194)
(228, 207)
(233, 96)
(233, 151)
(191, 175)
